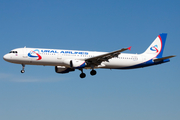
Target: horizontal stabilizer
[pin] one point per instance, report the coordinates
(163, 58)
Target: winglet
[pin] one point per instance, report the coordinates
(129, 48)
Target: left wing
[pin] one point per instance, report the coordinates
(97, 60)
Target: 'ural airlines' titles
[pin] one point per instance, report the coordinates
(65, 52)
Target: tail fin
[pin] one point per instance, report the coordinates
(157, 47)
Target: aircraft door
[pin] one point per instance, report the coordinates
(143, 58)
(59, 57)
(25, 55)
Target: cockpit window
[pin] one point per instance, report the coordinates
(13, 52)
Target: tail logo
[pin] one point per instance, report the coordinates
(154, 48)
(34, 54)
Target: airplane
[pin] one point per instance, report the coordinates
(66, 61)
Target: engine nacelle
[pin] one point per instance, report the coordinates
(63, 69)
(75, 63)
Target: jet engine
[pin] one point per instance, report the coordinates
(75, 63)
(63, 69)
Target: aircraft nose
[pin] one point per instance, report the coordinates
(5, 57)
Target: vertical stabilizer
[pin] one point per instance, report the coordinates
(157, 47)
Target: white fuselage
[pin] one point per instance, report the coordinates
(57, 57)
(66, 61)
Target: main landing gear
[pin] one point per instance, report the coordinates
(83, 75)
(23, 66)
(93, 72)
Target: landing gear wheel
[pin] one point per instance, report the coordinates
(23, 66)
(22, 71)
(82, 75)
(93, 72)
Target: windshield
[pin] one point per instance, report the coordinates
(13, 52)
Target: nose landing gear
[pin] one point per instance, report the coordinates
(23, 66)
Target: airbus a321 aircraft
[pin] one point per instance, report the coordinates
(66, 61)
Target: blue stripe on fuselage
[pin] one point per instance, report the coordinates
(146, 64)
(81, 66)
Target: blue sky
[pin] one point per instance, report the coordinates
(99, 25)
